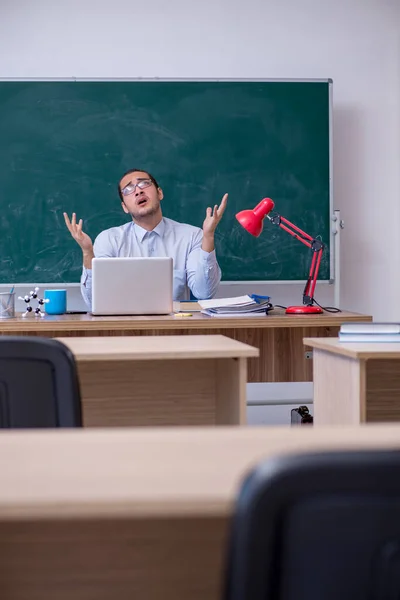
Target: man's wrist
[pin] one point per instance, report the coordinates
(87, 258)
(208, 244)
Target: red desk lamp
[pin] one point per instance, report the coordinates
(252, 221)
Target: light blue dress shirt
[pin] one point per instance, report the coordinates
(194, 269)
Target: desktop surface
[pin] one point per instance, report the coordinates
(356, 350)
(89, 322)
(56, 473)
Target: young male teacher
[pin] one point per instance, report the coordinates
(150, 234)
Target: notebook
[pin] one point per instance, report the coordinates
(248, 305)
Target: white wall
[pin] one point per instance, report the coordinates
(355, 42)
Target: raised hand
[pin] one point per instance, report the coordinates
(75, 229)
(213, 217)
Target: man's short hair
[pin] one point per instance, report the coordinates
(153, 179)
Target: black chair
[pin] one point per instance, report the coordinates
(39, 384)
(318, 527)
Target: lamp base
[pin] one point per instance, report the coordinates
(304, 310)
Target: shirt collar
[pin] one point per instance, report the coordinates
(140, 232)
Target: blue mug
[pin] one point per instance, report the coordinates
(57, 304)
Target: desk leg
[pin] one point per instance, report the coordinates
(339, 389)
(231, 379)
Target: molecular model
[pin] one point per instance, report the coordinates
(34, 296)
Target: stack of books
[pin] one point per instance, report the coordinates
(369, 332)
(243, 306)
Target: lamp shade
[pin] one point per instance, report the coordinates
(252, 220)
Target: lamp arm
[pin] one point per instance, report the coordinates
(308, 293)
(317, 248)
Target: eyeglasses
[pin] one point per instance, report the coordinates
(131, 187)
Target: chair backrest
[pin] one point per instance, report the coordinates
(39, 384)
(318, 526)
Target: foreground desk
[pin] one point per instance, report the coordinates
(355, 383)
(279, 337)
(138, 513)
(166, 380)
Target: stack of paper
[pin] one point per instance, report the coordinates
(369, 332)
(252, 305)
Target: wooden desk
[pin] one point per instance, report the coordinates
(279, 337)
(165, 380)
(355, 383)
(138, 513)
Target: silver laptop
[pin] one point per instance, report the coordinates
(132, 286)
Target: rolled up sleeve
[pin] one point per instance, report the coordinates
(102, 248)
(203, 271)
(86, 287)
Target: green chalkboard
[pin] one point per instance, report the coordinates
(65, 144)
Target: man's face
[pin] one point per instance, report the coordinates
(140, 201)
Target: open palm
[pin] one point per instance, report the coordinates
(75, 229)
(213, 216)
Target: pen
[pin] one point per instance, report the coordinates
(9, 299)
